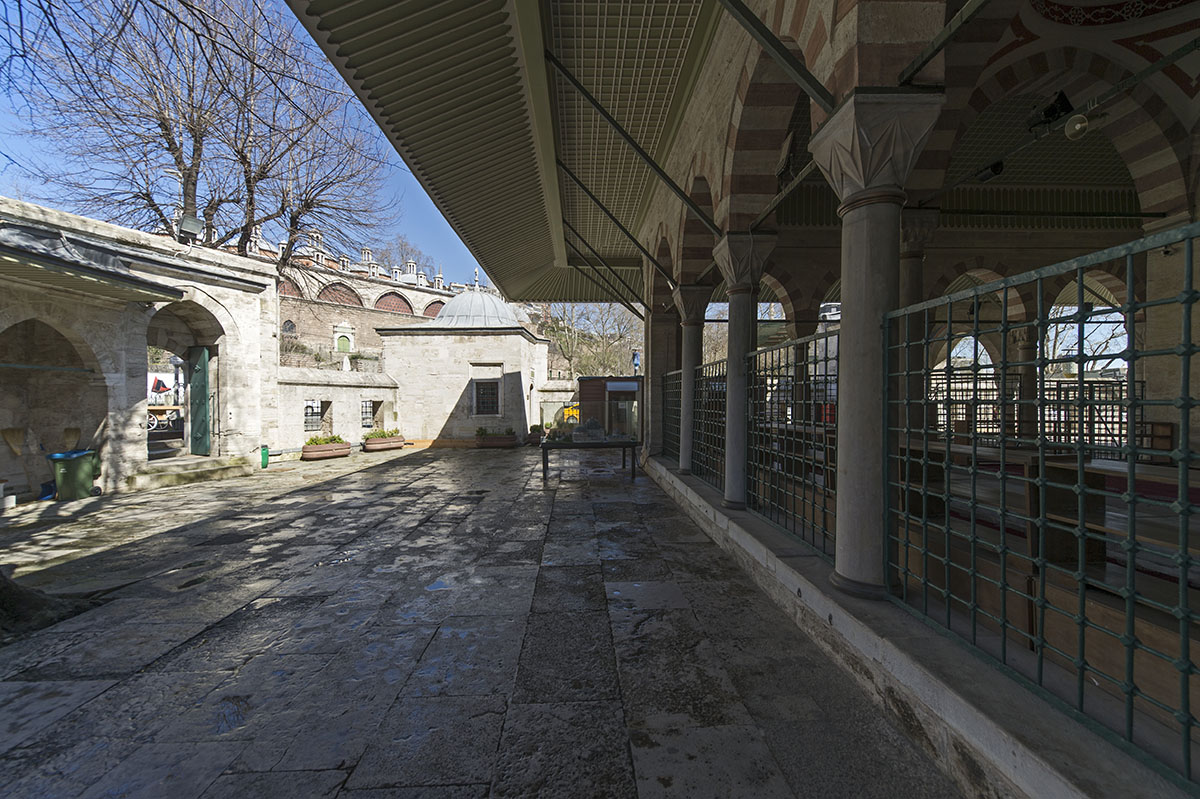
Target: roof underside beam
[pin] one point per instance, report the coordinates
(632, 238)
(637, 148)
(607, 287)
(794, 68)
(604, 263)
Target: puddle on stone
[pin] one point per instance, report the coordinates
(190, 583)
(438, 585)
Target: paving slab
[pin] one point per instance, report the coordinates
(443, 625)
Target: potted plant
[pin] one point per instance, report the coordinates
(321, 447)
(486, 439)
(379, 440)
(535, 434)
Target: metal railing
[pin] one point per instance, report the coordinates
(1078, 573)
(708, 425)
(791, 471)
(671, 387)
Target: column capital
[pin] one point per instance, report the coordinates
(868, 147)
(692, 302)
(916, 230)
(741, 257)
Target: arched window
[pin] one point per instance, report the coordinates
(343, 343)
(393, 302)
(289, 328)
(433, 308)
(342, 295)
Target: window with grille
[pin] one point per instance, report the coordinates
(312, 416)
(368, 414)
(487, 398)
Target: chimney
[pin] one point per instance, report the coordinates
(395, 273)
(366, 255)
(316, 242)
(438, 282)
(344, 262)
(422, 279)
(410, 267)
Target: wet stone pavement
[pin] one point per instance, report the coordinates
(442, 624)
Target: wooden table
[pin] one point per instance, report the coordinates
(631, 446)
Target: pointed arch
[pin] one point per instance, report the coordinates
(395, 302)
(341, 294)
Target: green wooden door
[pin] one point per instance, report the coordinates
(198, 407)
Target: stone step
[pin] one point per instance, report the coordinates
(183, 472)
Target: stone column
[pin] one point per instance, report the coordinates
(692, 303)
(740, 257)
(866, 150)
(661, 334)
(1026, 346)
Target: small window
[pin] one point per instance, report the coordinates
(312, 416)
(487, 398)
(368, 414)
(289, 328)
(343, 343)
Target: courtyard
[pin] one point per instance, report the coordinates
(442, 623)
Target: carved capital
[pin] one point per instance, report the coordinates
(741, 257)
(872, 142)
(692, 302)
(916, 230)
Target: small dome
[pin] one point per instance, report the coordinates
(476, 309)
(409, 279)
(358, 268)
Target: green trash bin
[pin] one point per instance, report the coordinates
(74, 473)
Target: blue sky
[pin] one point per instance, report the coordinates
(419, 219)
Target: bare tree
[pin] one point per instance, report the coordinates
(400, 249)
(216, 110)
(593, 338)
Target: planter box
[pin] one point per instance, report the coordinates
(380, 444)
(319, 452)
(496, 442)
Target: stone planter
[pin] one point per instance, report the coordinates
(319, 452)
(496, 442)
(380, 444)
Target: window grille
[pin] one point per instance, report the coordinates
(708, 425)
(368, 414)
(1055, 525)
(487, 398)
(671, 396)
(312, 416)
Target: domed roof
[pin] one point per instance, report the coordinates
(358, 268)
(476, 309)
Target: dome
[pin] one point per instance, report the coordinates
(476, 309)
(358, 268)
(409, 279)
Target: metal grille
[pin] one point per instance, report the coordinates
(792, 442)
(1076, 572)
(671, 387)
(368, 414)
(708, 425)
(312, 416)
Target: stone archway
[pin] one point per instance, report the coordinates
(53, 397)
(183, 341)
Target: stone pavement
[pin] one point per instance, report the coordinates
(441, 624)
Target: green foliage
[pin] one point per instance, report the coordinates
(535, 429)
(508, 431)
(316, 441)
(381, 434)
(481, 432)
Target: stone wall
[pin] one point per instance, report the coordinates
(345, 391)
(315, 321)
(436, 393)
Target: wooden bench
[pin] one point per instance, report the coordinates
(631, 446)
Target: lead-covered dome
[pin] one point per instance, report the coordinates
(476, 309)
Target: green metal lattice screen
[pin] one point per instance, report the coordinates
(670, 414)
(1057, 527)
(791, 469)
(708, 425)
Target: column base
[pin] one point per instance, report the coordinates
(858, 589)
(733, 504)
(683, 471)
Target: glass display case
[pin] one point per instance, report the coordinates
(612, 419)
